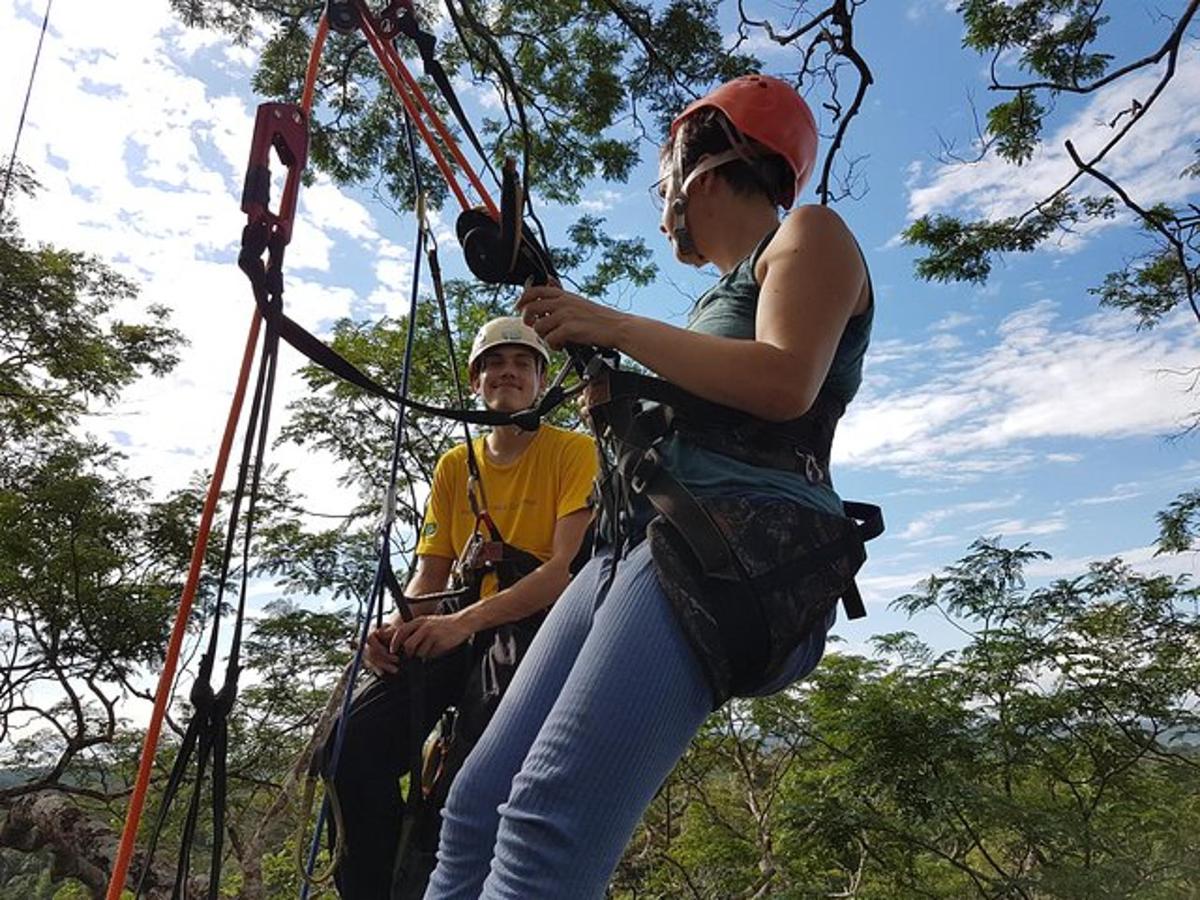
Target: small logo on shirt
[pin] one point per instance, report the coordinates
(429, 530)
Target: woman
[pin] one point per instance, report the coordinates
(620, 679)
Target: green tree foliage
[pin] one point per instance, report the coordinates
(61, 346)
(1053, 755)
(89, 564)
(1054, 46)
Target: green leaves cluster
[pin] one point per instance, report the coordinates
(1052, 44)
(964, 251)
(1054, 755)
(1052, 37)
(62, 341)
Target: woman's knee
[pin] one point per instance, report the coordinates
(470, 798)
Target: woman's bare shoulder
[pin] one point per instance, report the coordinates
(815, 225)
(811, 235)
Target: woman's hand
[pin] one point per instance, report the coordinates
(565, 318)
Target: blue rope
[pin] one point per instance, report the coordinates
(377, 589)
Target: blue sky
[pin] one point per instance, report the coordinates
(1018, 409)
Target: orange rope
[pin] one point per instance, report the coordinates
(138, 799)
(414, 112)
(310, 73)
(162, 695)
(415, 89)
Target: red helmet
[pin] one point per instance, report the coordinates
(769, 111)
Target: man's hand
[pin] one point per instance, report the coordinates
(378, 653)
(429, 636)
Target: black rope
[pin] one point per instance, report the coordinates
(206, 737)
(12, 158)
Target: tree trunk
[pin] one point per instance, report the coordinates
(81, 846)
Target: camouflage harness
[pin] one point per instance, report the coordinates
(748, 577)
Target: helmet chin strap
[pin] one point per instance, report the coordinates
(679, 199)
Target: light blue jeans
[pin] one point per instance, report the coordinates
(603, 706)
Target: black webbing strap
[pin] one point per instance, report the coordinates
(639, 433)
(783, 444)
(206, 738)
(640, 467)
(426, 44)
(327, 358)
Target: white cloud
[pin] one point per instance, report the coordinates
(1010, 528)
(923, 524)
(1142, 559)
(602, 201)
(953, 321)
(1147, 163)
(1063, 457)
(961, 415)
(326, 206)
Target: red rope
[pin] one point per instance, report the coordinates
(383, 49)
(162, 695)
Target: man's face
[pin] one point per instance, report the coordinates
(508, 378)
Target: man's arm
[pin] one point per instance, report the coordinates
(432, 576)
(435, 635)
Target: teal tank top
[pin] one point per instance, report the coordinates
(728, 309)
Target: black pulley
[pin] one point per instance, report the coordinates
(342, 16)
(503, 252)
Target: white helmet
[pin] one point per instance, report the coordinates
(507, 330)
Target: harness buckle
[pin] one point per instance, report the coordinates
(814, 473)
(645, 469)
(480, 553)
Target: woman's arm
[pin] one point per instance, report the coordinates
(812, 281)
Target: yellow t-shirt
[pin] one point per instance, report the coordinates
(526, 498)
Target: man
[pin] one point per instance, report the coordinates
(530, 503)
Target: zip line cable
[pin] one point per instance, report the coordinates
(12, 158)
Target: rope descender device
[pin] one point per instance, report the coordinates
(503, 252)
(282, 127)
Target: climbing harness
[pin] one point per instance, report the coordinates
(748, 579)
(495, 655)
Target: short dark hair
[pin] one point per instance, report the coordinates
(704, 132)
